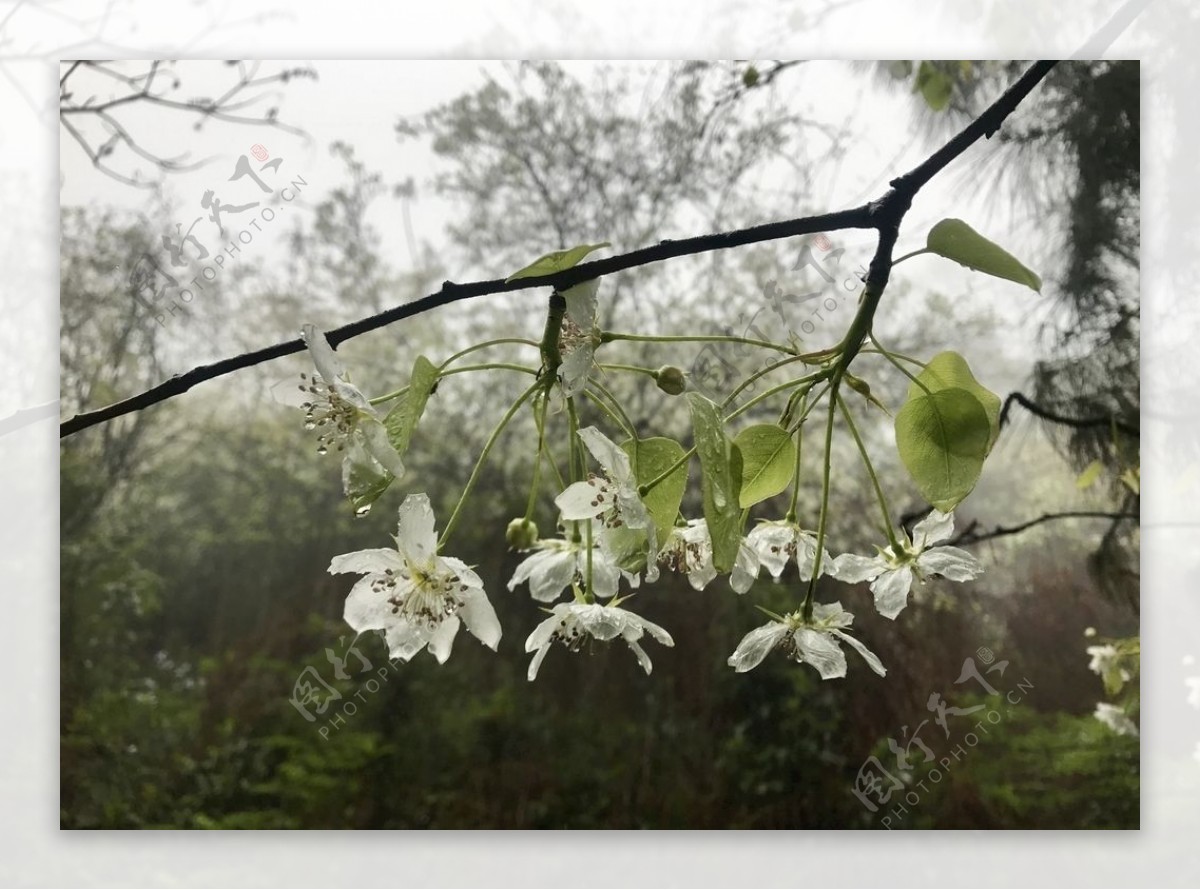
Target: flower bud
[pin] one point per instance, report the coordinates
(670, 380)
(521, 534)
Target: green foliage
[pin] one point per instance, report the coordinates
(935, 86)
(1033, 769)
(721, 476)
(556, 261)
(767, 457)
(651, 458)
(943, 439)
(955, 240)
(949, 370)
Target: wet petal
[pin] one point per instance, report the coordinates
(852, 568)
(548, 573)
(655, 631)
(442, 639)
(772, 544)
(585, 500)
(642, 657)
(366, 608)
(755, 645)
(416, 538)
(609, 455)
(379, 446)
(606, 577)
(543, 632)
(891, 591)
(362, 562)
(480, 618)
(404, 640)
(745, 569)
(950, 562)
(869, 657)
(576, 366)
(821, 651)
(601, 622)
(328, 365)
(537, 661)
(937, 526)
(581, 303)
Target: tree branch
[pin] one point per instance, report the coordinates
(884, 215)
(1077, 422)
(970, 535)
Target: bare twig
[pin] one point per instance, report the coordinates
(1077, 422)
(884, 215)
(972, 535)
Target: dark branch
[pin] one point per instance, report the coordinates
(885, 215)
(1076, 422)
(971, 534)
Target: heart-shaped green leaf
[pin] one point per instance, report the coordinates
(943, 440)
(650, 459)
(955, 240)
(935, 86)
(558, 261)
(719, 482)
(949, 370)
(768, 459)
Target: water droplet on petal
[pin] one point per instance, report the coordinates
(363, 510)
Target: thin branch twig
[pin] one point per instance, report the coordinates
(884, 215)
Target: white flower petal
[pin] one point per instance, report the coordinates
(642, 657)
(379, 446)
(937, 526)
(548, 573)
(576, 366)
(745, 568)
(610, 456)
(891, 591)
(582, 500)
(755, 645)
(328, 365)
(480, 618)
(821, 651)
(404, 640)
(655, 631)
(869, 657)
(466, 575)
(852, 568)
(416, 539)
(601, 622)
(606, 577)
(831, 615)
(442, 638)
(365, 608)
(543, 632)
(772, 543)
(537, 662)
(362, 562)
(581, 303)
(950, 562)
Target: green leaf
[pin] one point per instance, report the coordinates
(650, 459)
(402, 420)
(934, 85)
(955, 240)
(558, 261)
(768, 462)
(949, 370)
(943, 440)
(1089, 475)
(720, 480)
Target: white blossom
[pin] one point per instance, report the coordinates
(816, 642)
(1104, 658)
(1115, 719)
(892, 574)
(579, 336)
(557, 563)
(612, 499)
(346, 421)
(777, 543)
(412, 594)
(573, 623)
(688, 549)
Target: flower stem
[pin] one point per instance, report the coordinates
(485, 345)
(862, 450)
(633, 369)
(822, 522)
(539, 418)
(616, 404)
(465, 369)
(479, 464)
(791, 513)
(908, 256)
(610, 336)
(891, 357)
